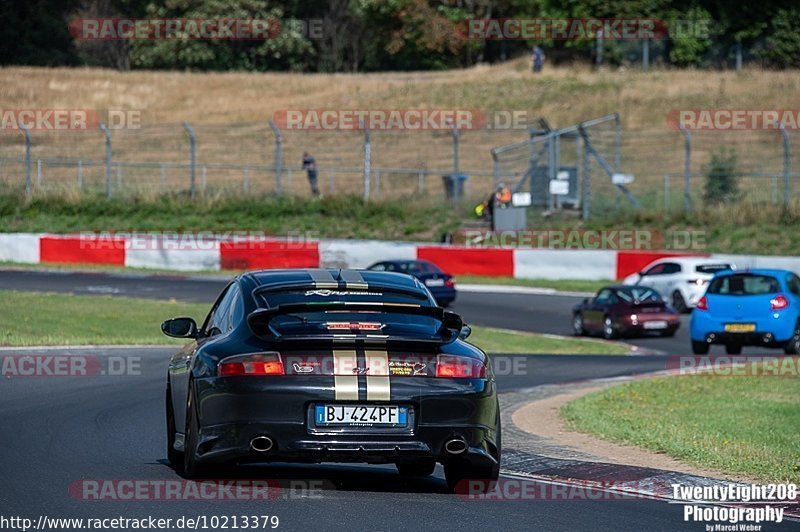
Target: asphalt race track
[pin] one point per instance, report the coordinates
(535, 313)
(61, 430)
(58, 432)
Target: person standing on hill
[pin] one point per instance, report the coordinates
(310, 166)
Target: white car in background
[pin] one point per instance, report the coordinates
(682, 281)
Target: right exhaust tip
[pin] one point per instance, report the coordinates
(455, 446)
(261, 444)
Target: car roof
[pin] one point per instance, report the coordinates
(689, 260)
(405, 261)
(758, 271)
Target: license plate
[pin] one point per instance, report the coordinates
(434, 282)
(740, 327)
(657, 324)
(361, 415)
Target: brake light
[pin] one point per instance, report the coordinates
(456, 367)
(450, 283)
(702, 304)
(251, 364)
(778, 302)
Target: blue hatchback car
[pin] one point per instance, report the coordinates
(752, 307)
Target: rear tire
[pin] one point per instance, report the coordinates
(678, 303)
(423, 468)
(733, 349)
(191, 467)
(174, 457)
(577, 324)
(700, 348)
(455, 473)
(792, 347)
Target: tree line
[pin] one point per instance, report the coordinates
(380, 35)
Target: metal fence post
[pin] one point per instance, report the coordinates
(551, 169)
(687, 169)
(421, 182)
(107, 134)
(278, 156)
(192, 157)
(786, 168)
(585, 188)
(367, 161)
(27, 135)
(456, 134)
(617, 142)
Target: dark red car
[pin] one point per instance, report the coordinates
(625, 311)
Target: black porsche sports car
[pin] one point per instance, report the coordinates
(331, 366)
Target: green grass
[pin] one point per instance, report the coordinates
(494, 340)
(739, 425)
(35, 318)
(740, 228)
(338, 216)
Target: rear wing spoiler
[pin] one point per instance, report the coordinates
(260, 320)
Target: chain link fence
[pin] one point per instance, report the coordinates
(594, 168)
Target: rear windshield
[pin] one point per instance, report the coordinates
(745, 284)
(638, 293)
(712, 268)
(314, 321)
(273, 299)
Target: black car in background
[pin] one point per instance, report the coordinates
(331, 366)
(442, 285)
(625, 311)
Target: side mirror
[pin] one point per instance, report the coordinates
(180, 328)
(466, 330)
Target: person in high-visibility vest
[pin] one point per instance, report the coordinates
(503, 195)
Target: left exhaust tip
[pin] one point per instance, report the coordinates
(261, 444)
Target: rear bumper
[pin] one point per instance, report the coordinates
(232, 411)
(768, 331)
(628, 326)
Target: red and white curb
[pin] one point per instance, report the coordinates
(152, 251)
